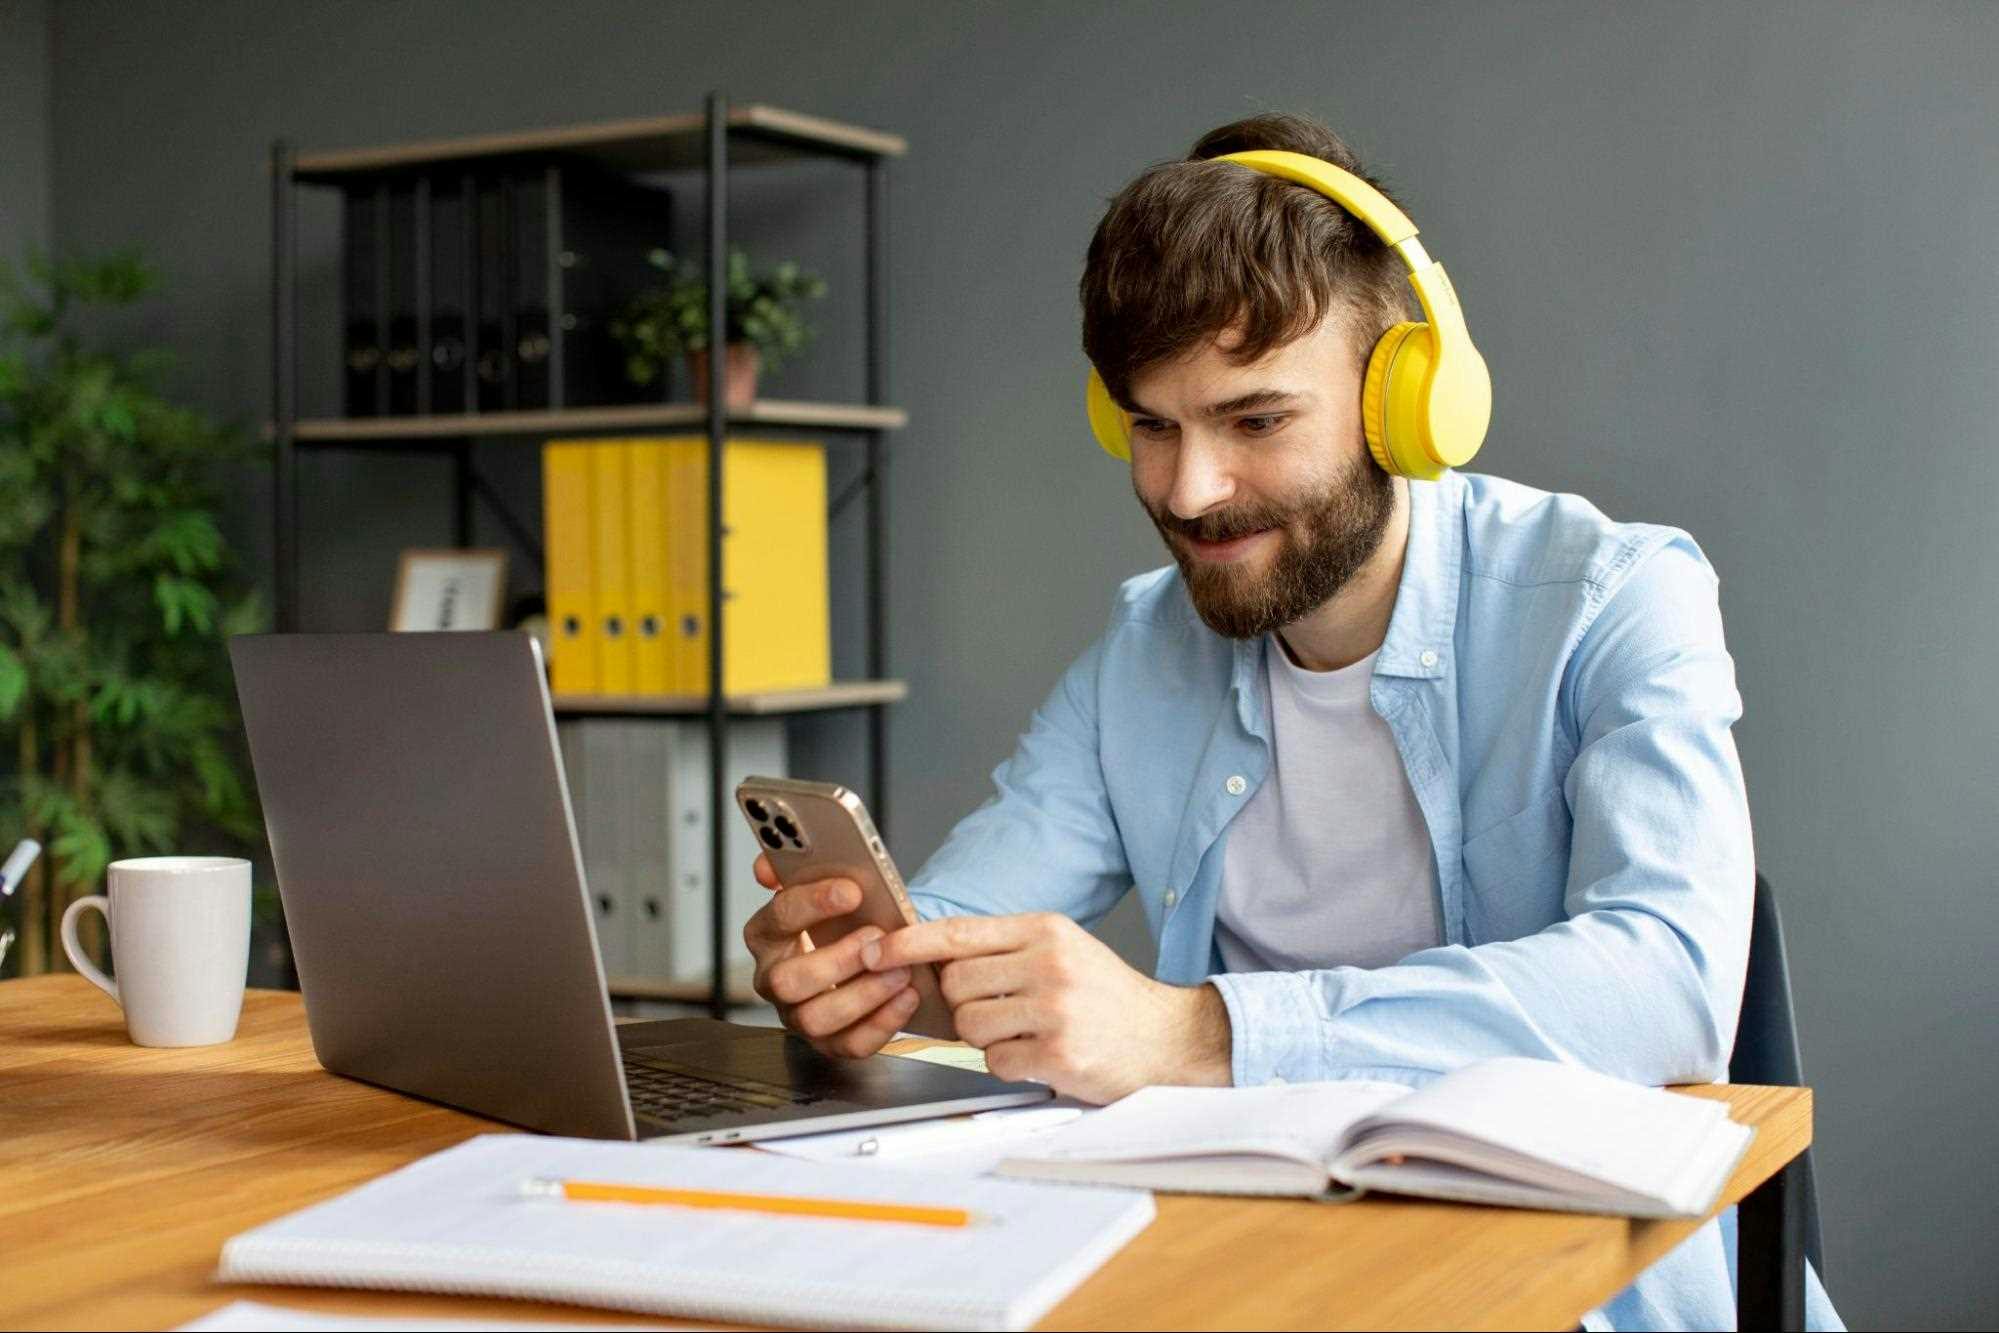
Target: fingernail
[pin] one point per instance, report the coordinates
(897, 977)
(905, 1001)
(871, 953)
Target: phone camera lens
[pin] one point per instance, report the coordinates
(756, 809)
(787, 828)
(770, 839)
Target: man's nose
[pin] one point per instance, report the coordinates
(1201, 478)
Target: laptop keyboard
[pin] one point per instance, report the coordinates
(664, 1090)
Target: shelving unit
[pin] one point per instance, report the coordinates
(717, 140)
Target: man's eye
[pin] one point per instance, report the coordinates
(1150, 426)
(1260, 425)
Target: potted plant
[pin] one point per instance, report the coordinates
(117, 590)
(764, 323)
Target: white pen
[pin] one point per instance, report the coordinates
(17, 865)
(918, 1139)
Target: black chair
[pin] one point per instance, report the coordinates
(1766, 1042)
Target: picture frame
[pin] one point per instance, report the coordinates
(449, 589)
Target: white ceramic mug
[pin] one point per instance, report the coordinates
(180, 943)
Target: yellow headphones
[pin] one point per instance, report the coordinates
(1427, 398)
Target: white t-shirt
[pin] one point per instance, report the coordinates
(1329, 864)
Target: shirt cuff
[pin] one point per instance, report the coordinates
(1281, 1031)
(1276, 1028)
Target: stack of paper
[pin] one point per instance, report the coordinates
(458, 1221)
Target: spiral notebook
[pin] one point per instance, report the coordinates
(457, 1221)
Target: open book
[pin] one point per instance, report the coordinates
(1530, 1133)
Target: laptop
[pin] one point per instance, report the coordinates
(427, 860)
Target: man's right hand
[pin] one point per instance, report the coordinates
(826, 995)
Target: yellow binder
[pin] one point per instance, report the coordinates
(777, 635)
(566, 570)
(649, 527)
(687, 500)
(611, 549)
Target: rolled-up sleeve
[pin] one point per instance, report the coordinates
(1643, 979)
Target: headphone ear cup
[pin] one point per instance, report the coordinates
(1390, 376)
(1107, 421)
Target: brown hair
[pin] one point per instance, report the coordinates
(1194, 247)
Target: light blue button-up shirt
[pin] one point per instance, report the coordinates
(1560, 694)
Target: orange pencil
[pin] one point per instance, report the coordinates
(590, 1191)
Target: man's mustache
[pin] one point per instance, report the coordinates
(1222, 526)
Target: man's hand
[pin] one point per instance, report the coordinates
(1048, 1001)
(827, 996)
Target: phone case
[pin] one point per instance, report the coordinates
(820, 830)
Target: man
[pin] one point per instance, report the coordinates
(1404, 773)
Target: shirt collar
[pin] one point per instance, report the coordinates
(1424, 624)
(1426, 601)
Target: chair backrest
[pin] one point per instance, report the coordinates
(1766, 1038)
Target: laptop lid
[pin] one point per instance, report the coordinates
(426, 856)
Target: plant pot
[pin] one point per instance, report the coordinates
(740, 364)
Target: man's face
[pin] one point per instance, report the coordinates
(1258, 477)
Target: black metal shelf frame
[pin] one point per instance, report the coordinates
(469, 485)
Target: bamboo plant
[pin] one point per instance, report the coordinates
(117, 591)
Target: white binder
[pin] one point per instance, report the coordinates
(595, 764)
(676, 943)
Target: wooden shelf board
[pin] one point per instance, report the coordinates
(647, 143)
(840, 694)
(634, 416)
(740, 990)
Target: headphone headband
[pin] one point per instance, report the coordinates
(1349, 191)
(1427, 397)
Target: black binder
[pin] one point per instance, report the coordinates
(364, 215)
(451, 251)
(494, 291)
(580, 239)
(402, 356)
(536, 214)
(493, 348)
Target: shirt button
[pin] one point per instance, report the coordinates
(1236, 784)
(1428, 659)
(1171, 897)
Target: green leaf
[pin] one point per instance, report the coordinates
(13, 682)
(183, 601)
(81, 850)
(141, 816)
(188, 539)
(247, 616)
(222, 787)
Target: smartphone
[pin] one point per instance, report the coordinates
(820, 830)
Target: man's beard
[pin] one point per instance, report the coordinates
(1342, 526)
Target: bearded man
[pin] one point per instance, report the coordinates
(1405, 774)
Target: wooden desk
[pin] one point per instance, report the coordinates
(122, 1171)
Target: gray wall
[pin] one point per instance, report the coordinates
(24, 128)
(1730, 264)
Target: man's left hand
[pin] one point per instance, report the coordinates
(1048, 1001)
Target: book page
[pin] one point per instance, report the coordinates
(1641, 1140)
(1302, 1122)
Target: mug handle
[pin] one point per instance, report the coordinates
(77, 958)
